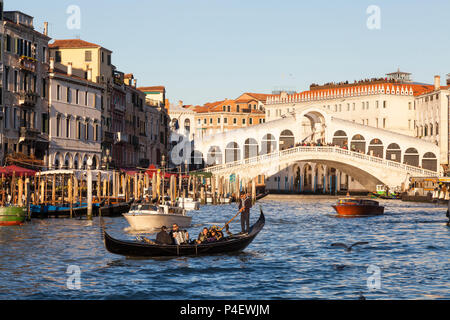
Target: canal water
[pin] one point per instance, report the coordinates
(407, 258)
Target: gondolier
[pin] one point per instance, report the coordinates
(245, 205)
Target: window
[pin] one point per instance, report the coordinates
(224, 108)
(88, 56)
(86, 99)
(16, 81)
(58, 56)
(237, 108)
(250, 121)
(77, 96)
(8, 43)
(78, 129)
(69, 98)
(384, 104)
(67, 127)
(229, 108)
(86, 127)
(109, 59)
(45, 123)
(243, 121)
(58, 125)
(225, 120)
(218, 120)
(384, 123)
(58, 90)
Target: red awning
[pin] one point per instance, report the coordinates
(18, 171)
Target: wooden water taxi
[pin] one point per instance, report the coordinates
(358, 207)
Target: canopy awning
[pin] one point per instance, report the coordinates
(17, 171)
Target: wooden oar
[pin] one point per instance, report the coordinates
(230, 221)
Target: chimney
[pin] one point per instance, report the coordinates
(45, 28)
(52, 64)
(89, 74)
(69, 69)
(437, 82)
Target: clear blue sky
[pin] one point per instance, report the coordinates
(208, 50)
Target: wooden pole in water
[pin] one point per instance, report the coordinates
(42, 198)
(154, 187)
(99, 181)
(70, 194)
(27, 197)
(54, 190)
(238, 189)
(254, 190)
(108, 190)
(13, 188)
(75, 189)
(89, 190)
(213, 189)
(20, 192)
(158, 186)
(3, 189)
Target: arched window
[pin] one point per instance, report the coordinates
(376, 148)
(358, 143)
(340, 139)
(268, 144)
(232, 152)
(286, 140)
(251, 148)
(411, 157)
(394, 153)
(429, 161)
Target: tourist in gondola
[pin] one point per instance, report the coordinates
(203, 236)
(163, 237)
(179, 236)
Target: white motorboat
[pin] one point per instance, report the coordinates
(147, 217)
(188, 204)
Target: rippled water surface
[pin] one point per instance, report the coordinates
(292, 258)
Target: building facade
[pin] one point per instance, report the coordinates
(25, 88)
(75, 131)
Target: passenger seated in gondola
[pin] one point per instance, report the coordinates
(203, 236)
(163, 237)
(179, 236)
(213, 236)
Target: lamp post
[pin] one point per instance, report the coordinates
(107, 159)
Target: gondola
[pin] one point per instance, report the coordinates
(116, 209)
(230, 244)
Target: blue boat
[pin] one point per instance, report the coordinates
(63, 210)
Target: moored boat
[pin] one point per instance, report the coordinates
(188, 204)
(230, 244)
(12, 216)
(115, 209)
(358, 207)
(147, 217)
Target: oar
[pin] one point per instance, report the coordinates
(226, 225)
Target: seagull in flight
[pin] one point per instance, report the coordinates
(348, 248)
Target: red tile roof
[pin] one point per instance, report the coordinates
(72, 44)
(153, 89)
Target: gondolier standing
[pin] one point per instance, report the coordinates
(245, 204)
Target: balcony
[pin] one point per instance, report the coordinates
(121, 137)
(29, 134)
(27, 63)
(108, 137)
(28, 99)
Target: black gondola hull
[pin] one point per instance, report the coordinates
(139, 249)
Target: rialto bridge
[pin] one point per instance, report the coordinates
(310, 150)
